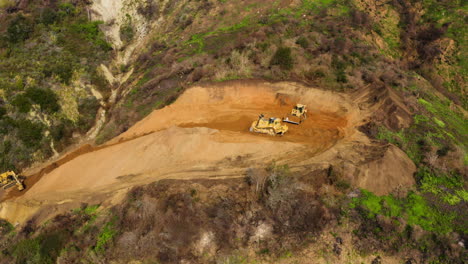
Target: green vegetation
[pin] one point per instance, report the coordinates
(48, 53)
(43, 249)
(126, 30)
(413, 208)
(449, 187)
(45, 98)
(30, 132)
(197, 41)
(5, 227)
(451, 13)
(283, 58)
(43, 51)
(303, 42)
(441, 126)
(19, 29)
(105, 236)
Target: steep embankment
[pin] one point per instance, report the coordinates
(205, 134)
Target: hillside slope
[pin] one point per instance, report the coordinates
(130, 119)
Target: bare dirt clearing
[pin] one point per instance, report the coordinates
(204, 134)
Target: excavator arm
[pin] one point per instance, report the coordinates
(8, 179)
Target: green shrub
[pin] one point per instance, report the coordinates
(58, 132)
(5, 227)
(62, 67)
(46, 98)
(107, 234)
(88, 108)
(126, 30)
(67, 9)
(21, 103)
(27, 251)
(339, 66)
(126, 33)
(343, 185)
(49, 16)
(302, 41)
(3, 112)
(91, 32)
(19, 29)
(30, 133)
(283, 58)
(341, 77)
(44, 249)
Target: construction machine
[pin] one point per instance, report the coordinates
(9, 178)
(271, 126)
(298, 115)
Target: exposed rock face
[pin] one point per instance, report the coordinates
(109, 11)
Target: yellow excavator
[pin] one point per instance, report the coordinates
(271, 126)
(9, 178)
(298, 115)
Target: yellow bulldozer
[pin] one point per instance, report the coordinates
(9, 178)
(298, 115)
(271, 126)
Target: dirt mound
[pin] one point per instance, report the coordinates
(205, 134)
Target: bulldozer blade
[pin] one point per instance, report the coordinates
(290, 121)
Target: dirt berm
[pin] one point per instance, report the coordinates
(205, 134)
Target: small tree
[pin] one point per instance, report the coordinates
(283, 58)
(19, 29)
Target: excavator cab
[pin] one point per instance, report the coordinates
(9, 178)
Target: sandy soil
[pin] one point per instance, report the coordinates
(204, 134)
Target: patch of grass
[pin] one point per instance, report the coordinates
(197, 41)
(439, 122)
(447, 118)
(448, 187)
(89, 30)
(105, 236)
(413, 208)
(439, 125)
(91, 210)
